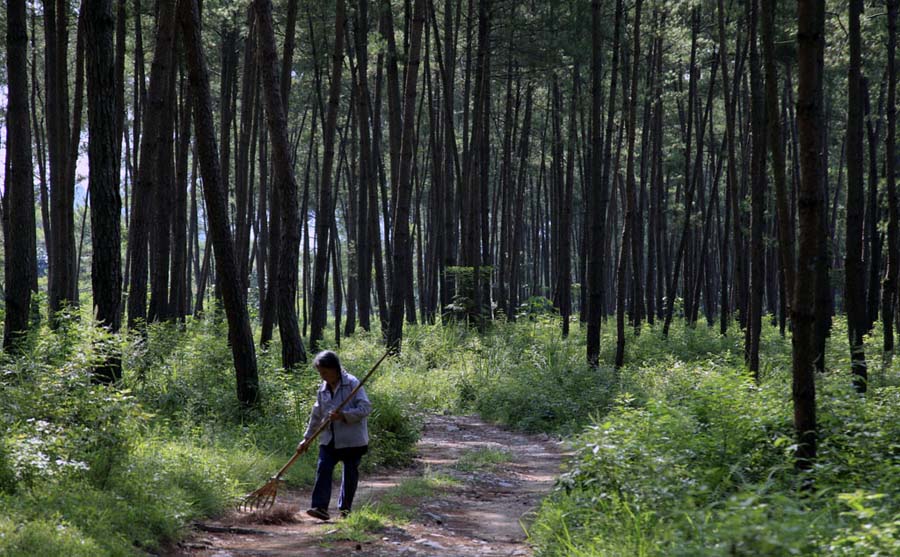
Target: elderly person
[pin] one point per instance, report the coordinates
(346, 439)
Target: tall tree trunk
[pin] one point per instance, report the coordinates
(292, 350)
(803, 314)
(325, 211)
(180, 286)
(20, 243)
(874, 237)
(689, 183)
(565, 244)
(854, 268)
(629, 223)
(106, 205)
(889, 290)
(757, 198)
(148, 181)
(401, 242)
(366, 169)
(56, 64)
(243, 164)
(518, 225)
(161, 241)
(598, 197)
(240, 335)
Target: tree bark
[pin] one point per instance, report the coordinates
(401, 242)
(106, 205)
(854, 268)
(810, 200)
(240, 335)
(292, 350)
(147, 184)
(629, 223)
(325, 211)
(18, 200)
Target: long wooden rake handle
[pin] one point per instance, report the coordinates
(327, 421)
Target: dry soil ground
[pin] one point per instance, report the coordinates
(479, 511)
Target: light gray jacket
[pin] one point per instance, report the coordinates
(353, 433)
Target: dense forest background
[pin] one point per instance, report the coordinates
(683, 177)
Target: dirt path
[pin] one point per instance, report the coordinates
(490, 479)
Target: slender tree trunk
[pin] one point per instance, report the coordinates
(518, 224)
(629, 224)
(401, 242)
(854, 268)
(598, 197)
(292, 350)
(148, 181)
(180, 286)
(874, 237)
(565, 245)
(366, 169)
(689, 184)
(325, 212)
(757, 198)
(889, 288)
(240, 335)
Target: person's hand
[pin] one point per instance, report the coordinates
(302, 446)
(337, 417)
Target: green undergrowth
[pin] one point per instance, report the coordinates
(92, 470)
(694, 458)
(678, 453)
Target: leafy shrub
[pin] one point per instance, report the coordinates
(699, 462)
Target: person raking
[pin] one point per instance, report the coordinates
(346, 439)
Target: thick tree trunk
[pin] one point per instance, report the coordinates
(18, 199)
(600, 163)
(106, 205)
(810, 200)
(161, 241)
(56, 68)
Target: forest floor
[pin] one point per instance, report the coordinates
(469, 491)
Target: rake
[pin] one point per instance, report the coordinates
(264, 497)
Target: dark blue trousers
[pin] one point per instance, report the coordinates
(328, 459)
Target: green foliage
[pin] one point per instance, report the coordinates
(678, 453)
(698, 461)
(86, 469)
(463, 305)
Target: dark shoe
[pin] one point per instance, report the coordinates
(321, 514)
(345, 513)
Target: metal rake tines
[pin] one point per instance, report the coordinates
(262, 498)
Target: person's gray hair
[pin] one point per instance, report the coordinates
(327, 359)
